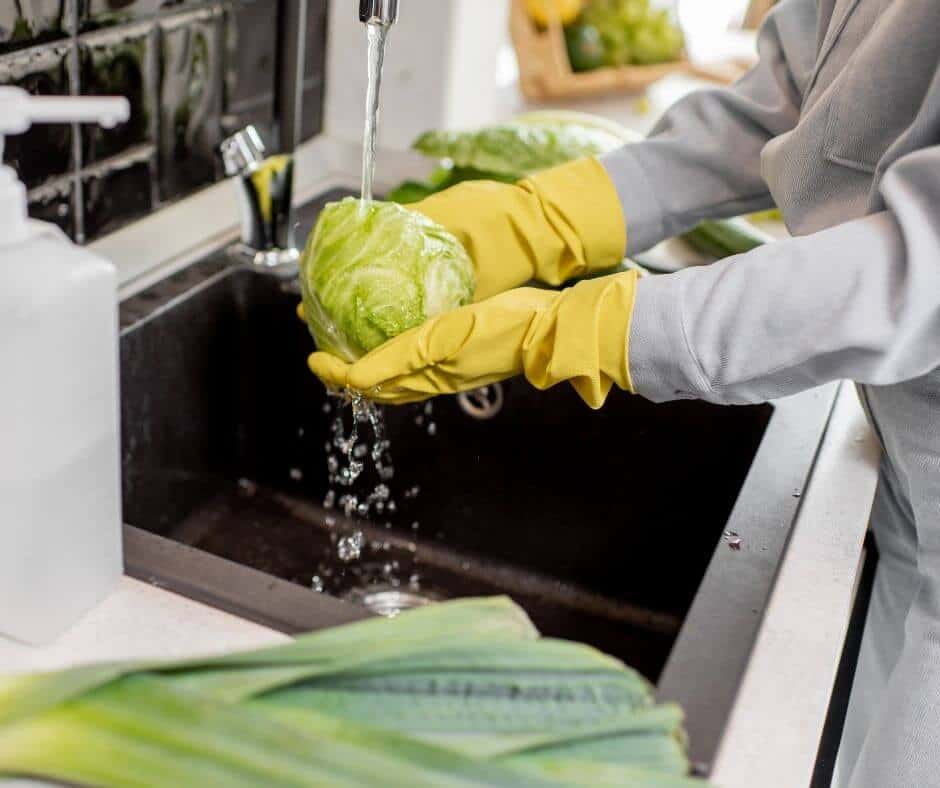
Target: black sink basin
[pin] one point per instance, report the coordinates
(608, 527)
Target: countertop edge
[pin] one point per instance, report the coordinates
(777, 721)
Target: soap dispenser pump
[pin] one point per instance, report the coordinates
(60, 487)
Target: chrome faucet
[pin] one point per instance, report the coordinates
(378, 12)
(265, 192)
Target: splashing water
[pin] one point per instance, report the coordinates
(378, 35)
(361, 475)
(349, 548)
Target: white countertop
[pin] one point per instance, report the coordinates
(778, 717)
(140, 621)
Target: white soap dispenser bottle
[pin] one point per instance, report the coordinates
(60, 489)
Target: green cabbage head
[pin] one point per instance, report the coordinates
(371, 272)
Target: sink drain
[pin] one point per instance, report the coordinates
(388, 602)
(483, 403)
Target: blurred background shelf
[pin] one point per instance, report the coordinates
(546, 72)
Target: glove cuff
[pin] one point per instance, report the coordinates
(583, 338)
(580, 202)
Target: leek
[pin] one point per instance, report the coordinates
(456, 694)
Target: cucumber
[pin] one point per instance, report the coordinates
(724, 238)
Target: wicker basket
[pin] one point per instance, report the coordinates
(545, 71)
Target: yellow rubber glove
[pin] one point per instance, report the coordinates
(579, 335)
(557, 225)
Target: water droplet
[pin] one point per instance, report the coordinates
(428, 408)
(247, 487)
(349, 504)
(735, 543)
(327, 408)
(432, 429)
(329, 500)
(797, 494)
(330, 522)
(317, 584)
(300, 432)
(414, 582)
(349, 548)
(296, 474)
(415, 525)
(360, 451)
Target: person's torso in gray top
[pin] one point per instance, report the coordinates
(870, 98)
(839, 126)
(864, 106)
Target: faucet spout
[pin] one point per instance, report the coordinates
(378, 12)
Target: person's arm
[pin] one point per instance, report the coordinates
(858, 301)
(702, 159)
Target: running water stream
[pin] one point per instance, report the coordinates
(378, 35)
(358, 463)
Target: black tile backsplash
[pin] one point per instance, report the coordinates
(193, 70)
(99, 13)
(116, 195)
(122, 60)
(53, 203)
(313, 83)
(25, 23)
(190, 100)
(251, 73)
(43, 152)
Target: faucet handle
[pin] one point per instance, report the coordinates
(378, 12)
(243, 152)
(265, 194)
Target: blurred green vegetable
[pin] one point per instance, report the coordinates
(770, 215)
(724, 238)
(372, 271)
(442, 178)
(516, 149)
(513, 150)
(585, 47)
(633, 33)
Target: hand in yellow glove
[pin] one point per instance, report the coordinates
(557, 225)
(579, 335)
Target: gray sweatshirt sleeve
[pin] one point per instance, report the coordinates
(710, 143)
(860, 301)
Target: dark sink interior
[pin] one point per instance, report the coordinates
(602, 524)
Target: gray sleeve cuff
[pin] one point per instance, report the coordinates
(641, 209)
(662, 367)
